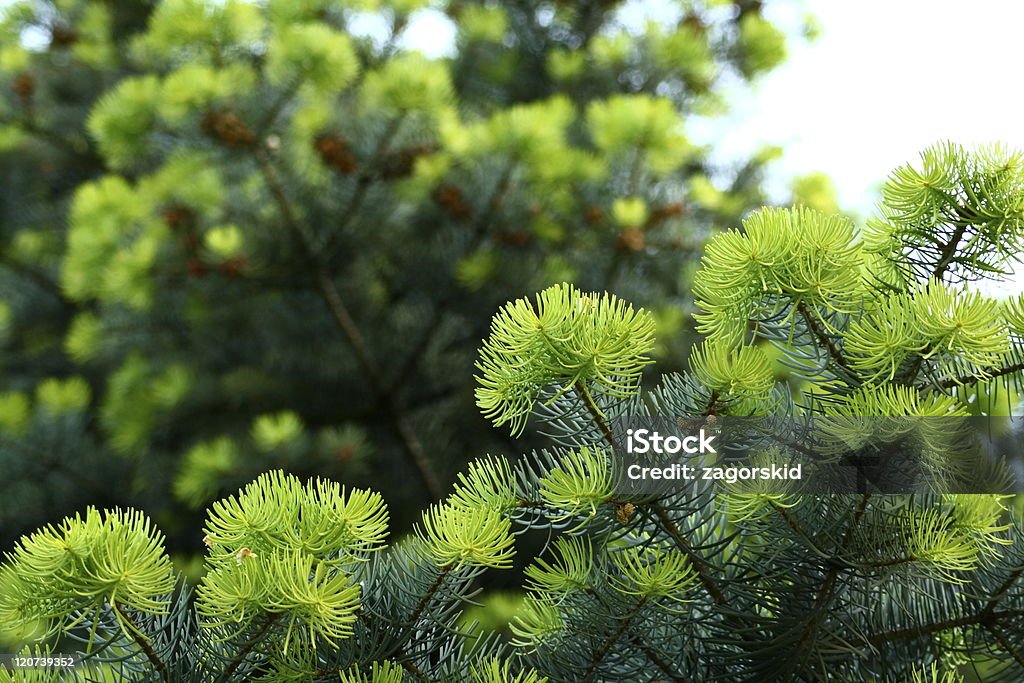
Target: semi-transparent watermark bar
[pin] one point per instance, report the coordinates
(819, 454)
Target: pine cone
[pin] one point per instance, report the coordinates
(62, 36)
(450, 198)
(631, 239)
(334, 152)
(24, 86)
(229, 129)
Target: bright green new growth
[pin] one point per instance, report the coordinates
(109, 559)
(580, 483)
(568, 339)
(456, 536)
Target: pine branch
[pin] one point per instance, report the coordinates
(339, 311)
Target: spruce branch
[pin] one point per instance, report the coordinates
(657, 660)
(595, 413)
(665, 520)
(435, 586)
(479, 235)
(798, 528)
(1007, 646)
(982, 376)
(932, 628)
(947, 252)
(54, 139)
(37, 277)
(363, 182)
(819, 608)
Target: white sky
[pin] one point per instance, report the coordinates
(884, 81)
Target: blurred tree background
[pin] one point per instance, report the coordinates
(237, 236)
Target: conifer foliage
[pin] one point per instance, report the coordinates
(686, 585)
(238, 236)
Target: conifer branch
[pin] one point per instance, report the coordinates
(479, 235)
(255, 640)
(984, 376)
(363, 182)
(947, 253)
(930, 629)
(657, 660)
(1005, 644)
(595, 413)
(798, 528)
(38, 278)
(143, 643)
(664, 518)
(429, 595)
(1002, 590)
(52, 138)
(818, 609)
(339, 311)
(605, 647)
(814, 325)
(277, 107)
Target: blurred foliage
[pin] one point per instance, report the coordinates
(237, 236)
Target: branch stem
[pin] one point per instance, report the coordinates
(143, 642)
(346, 323)
(815, 326)
(607, 645)
(237, 660)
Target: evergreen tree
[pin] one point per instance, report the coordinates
(689, 584)
(237, 236)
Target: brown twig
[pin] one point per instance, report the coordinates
(346, 323)
(605, 647)
(143, 643)
(237, 660)
(814, 325)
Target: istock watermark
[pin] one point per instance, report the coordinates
(645, 440)
(817, 454)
